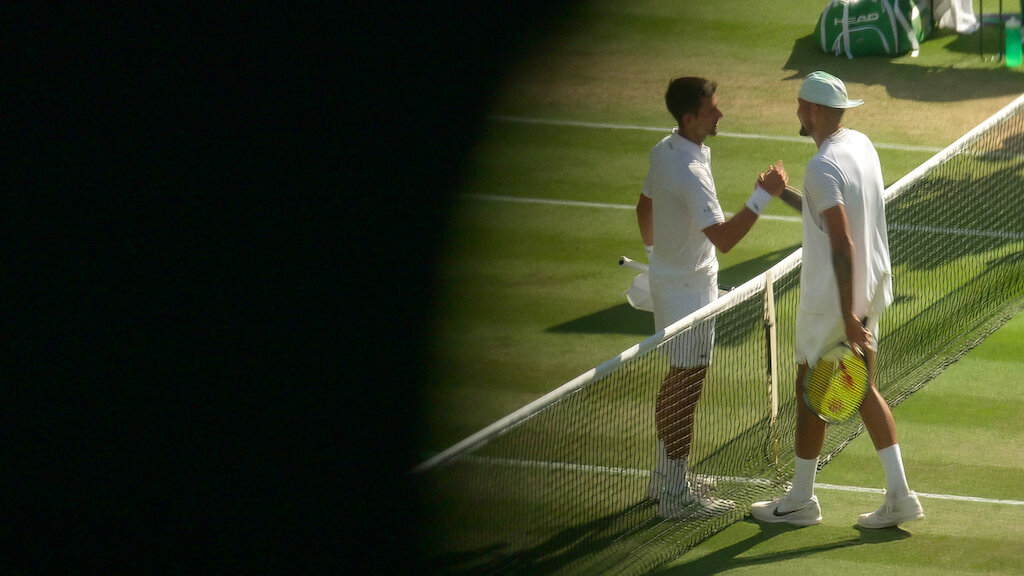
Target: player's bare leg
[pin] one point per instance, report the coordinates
(875, 412)
(676, 409)
(675, 413)
(673, 422)
(901, 504)
(810, 430)
(799, 506)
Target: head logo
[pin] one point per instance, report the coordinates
(835, 405)
(862, 19)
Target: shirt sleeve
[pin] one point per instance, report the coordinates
(823, 189)
(645, 189)
(706, 204)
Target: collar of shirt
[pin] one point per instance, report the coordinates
(691, 146)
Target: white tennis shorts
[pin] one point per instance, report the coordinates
(815, 333)
(674, 300)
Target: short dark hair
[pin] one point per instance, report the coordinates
(685, 95)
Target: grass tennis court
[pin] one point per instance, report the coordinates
(961, 438)
(532, 296)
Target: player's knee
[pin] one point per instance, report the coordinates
(801, 373)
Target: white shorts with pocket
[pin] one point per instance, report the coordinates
(673, 301)
(816, 333)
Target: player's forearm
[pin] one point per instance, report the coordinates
(843, 252)
(647, 233)
(842, 266)
(729, 233)
(645, 220)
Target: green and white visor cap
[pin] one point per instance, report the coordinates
(827, 90)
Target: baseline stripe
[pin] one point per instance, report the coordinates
(921, 495)
(998, 234)
(617, 471)
(604, 126)
(518, 200)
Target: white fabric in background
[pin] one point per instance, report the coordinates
(955, 15)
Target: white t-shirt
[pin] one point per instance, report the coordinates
(846, 171)
(680, 185)
(684, 267)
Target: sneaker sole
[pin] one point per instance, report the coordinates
(769, 516)
(909, 518)
(790, 521)
(720, 508)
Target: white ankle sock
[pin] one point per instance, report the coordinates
(675, 475)
(895, 476)
(659, 467)
(803, 479)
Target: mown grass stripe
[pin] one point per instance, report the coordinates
(619, 471)
(577, 203)
(767, 137)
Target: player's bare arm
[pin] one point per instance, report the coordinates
(726, 235)
(842, 265)
(645, 219)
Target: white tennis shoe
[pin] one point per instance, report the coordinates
(688, 504)
(785, 510)
(896, 510)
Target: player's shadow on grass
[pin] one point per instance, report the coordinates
(906, 79)
(579, 545)
(624, 319)
(732, 557)
(621, 319)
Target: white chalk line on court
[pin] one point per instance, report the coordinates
(516, 199)
(604, 126)
(997, 234)
(619, 471)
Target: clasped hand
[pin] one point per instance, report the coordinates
(774, 180)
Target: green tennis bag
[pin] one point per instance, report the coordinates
(874, 27)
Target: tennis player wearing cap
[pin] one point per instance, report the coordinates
(845, 260)
(678, 211)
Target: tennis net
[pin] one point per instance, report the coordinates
(560, 486)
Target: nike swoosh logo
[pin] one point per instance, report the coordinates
(778, 514)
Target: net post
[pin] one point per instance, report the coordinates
(771, 361)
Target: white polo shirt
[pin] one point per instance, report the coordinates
(846, 171)
(684, 269)
(680, 185)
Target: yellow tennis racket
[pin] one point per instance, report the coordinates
(836, 385)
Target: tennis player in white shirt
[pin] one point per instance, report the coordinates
(682, 224)
(845, 261)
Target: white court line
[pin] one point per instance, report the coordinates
(617, 471)
(998, 234)
(796, 139)
(955, 498)
(516, 199)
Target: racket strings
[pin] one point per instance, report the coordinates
(834, 390)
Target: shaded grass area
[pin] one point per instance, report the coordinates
(928, 546)
(528, 296)
(531, 297)
(536, 299)
(959, 436)
(613, 59)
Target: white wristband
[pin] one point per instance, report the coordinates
(649, 250)
(759, 200)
